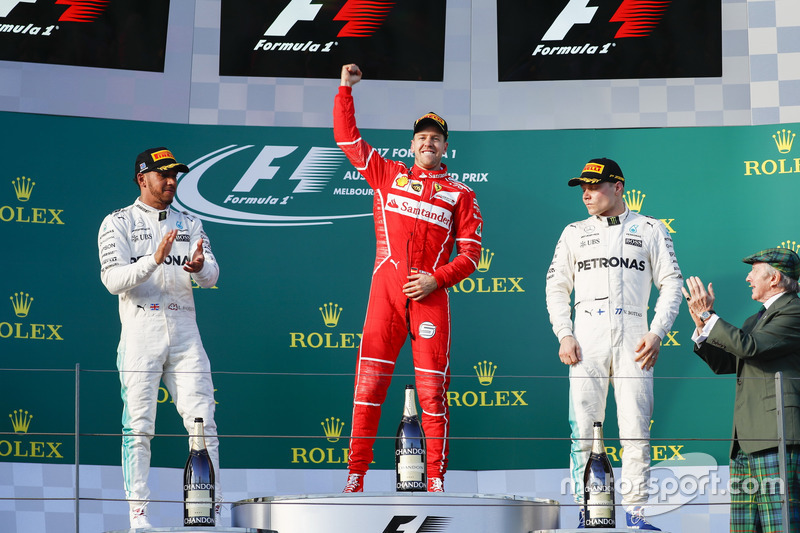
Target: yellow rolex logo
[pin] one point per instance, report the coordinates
(783, 140)
(480, 284)
(330, 314)
(634, 199)
(23, 447)
(20, 420)
(485, 372)
(21, 301)
(333, 428)
(23, 187)
(791, 245)
(328, 455)
(485, 262)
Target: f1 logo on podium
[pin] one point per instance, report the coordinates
(430, 524)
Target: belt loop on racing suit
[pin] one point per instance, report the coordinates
(408, 319)
(411, 270)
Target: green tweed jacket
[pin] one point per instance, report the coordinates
(754, 353)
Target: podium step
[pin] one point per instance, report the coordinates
(182, 529)
(396, 511)
(598, 530)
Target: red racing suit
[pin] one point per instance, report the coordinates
(419, 215)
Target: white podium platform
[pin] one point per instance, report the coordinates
(396, 511)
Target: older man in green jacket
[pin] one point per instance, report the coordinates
(768, 342)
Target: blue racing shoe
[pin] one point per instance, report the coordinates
(634, 516)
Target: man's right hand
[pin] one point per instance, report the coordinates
(698, 299)
(351, 75)
(569, 351)
(165, 246)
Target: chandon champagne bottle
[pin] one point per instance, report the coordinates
(409, 448)
(598, 485)
(198, 482)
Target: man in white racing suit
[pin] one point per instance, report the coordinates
(610, 261)
(149, 255)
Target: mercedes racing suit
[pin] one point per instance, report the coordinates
(419, 215)
(159, 339)
(610, 263)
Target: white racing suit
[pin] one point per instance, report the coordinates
(610, 263)
(160, 339)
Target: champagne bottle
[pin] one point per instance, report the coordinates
(198, 482)
(409, 450)
(598, 485)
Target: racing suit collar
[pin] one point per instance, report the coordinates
(418, 172)
(152, 211)
(616, 219)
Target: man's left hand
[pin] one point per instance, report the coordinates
(419, 286)
(198, 259)
(647, 351)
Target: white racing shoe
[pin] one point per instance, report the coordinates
(139, 519)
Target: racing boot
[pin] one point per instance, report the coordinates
(634, 516)
(435, 484)
(138, 516)
(355, 483)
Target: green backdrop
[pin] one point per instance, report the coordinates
(282, 374)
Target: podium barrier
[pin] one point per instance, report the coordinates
(703, 500)
(393, 511)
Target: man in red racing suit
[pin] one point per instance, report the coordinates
(420, 213)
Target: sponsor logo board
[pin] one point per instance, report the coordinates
(67, 32)
(272, 185)
(314, 38)
(628, 39)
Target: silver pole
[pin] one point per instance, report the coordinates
(77, 447)
(782, 450)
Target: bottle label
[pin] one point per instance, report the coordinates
(600, 507)
(410, 467)
(600, 522)
(198, 503)
(410, 451)
(198, 486)
(199, 520)
(411, 485)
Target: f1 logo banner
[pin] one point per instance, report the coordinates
(122, 34)
(389, 40)
(612, 39)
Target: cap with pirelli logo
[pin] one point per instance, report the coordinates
(159, 159)
(598, 171)
(431, 119)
